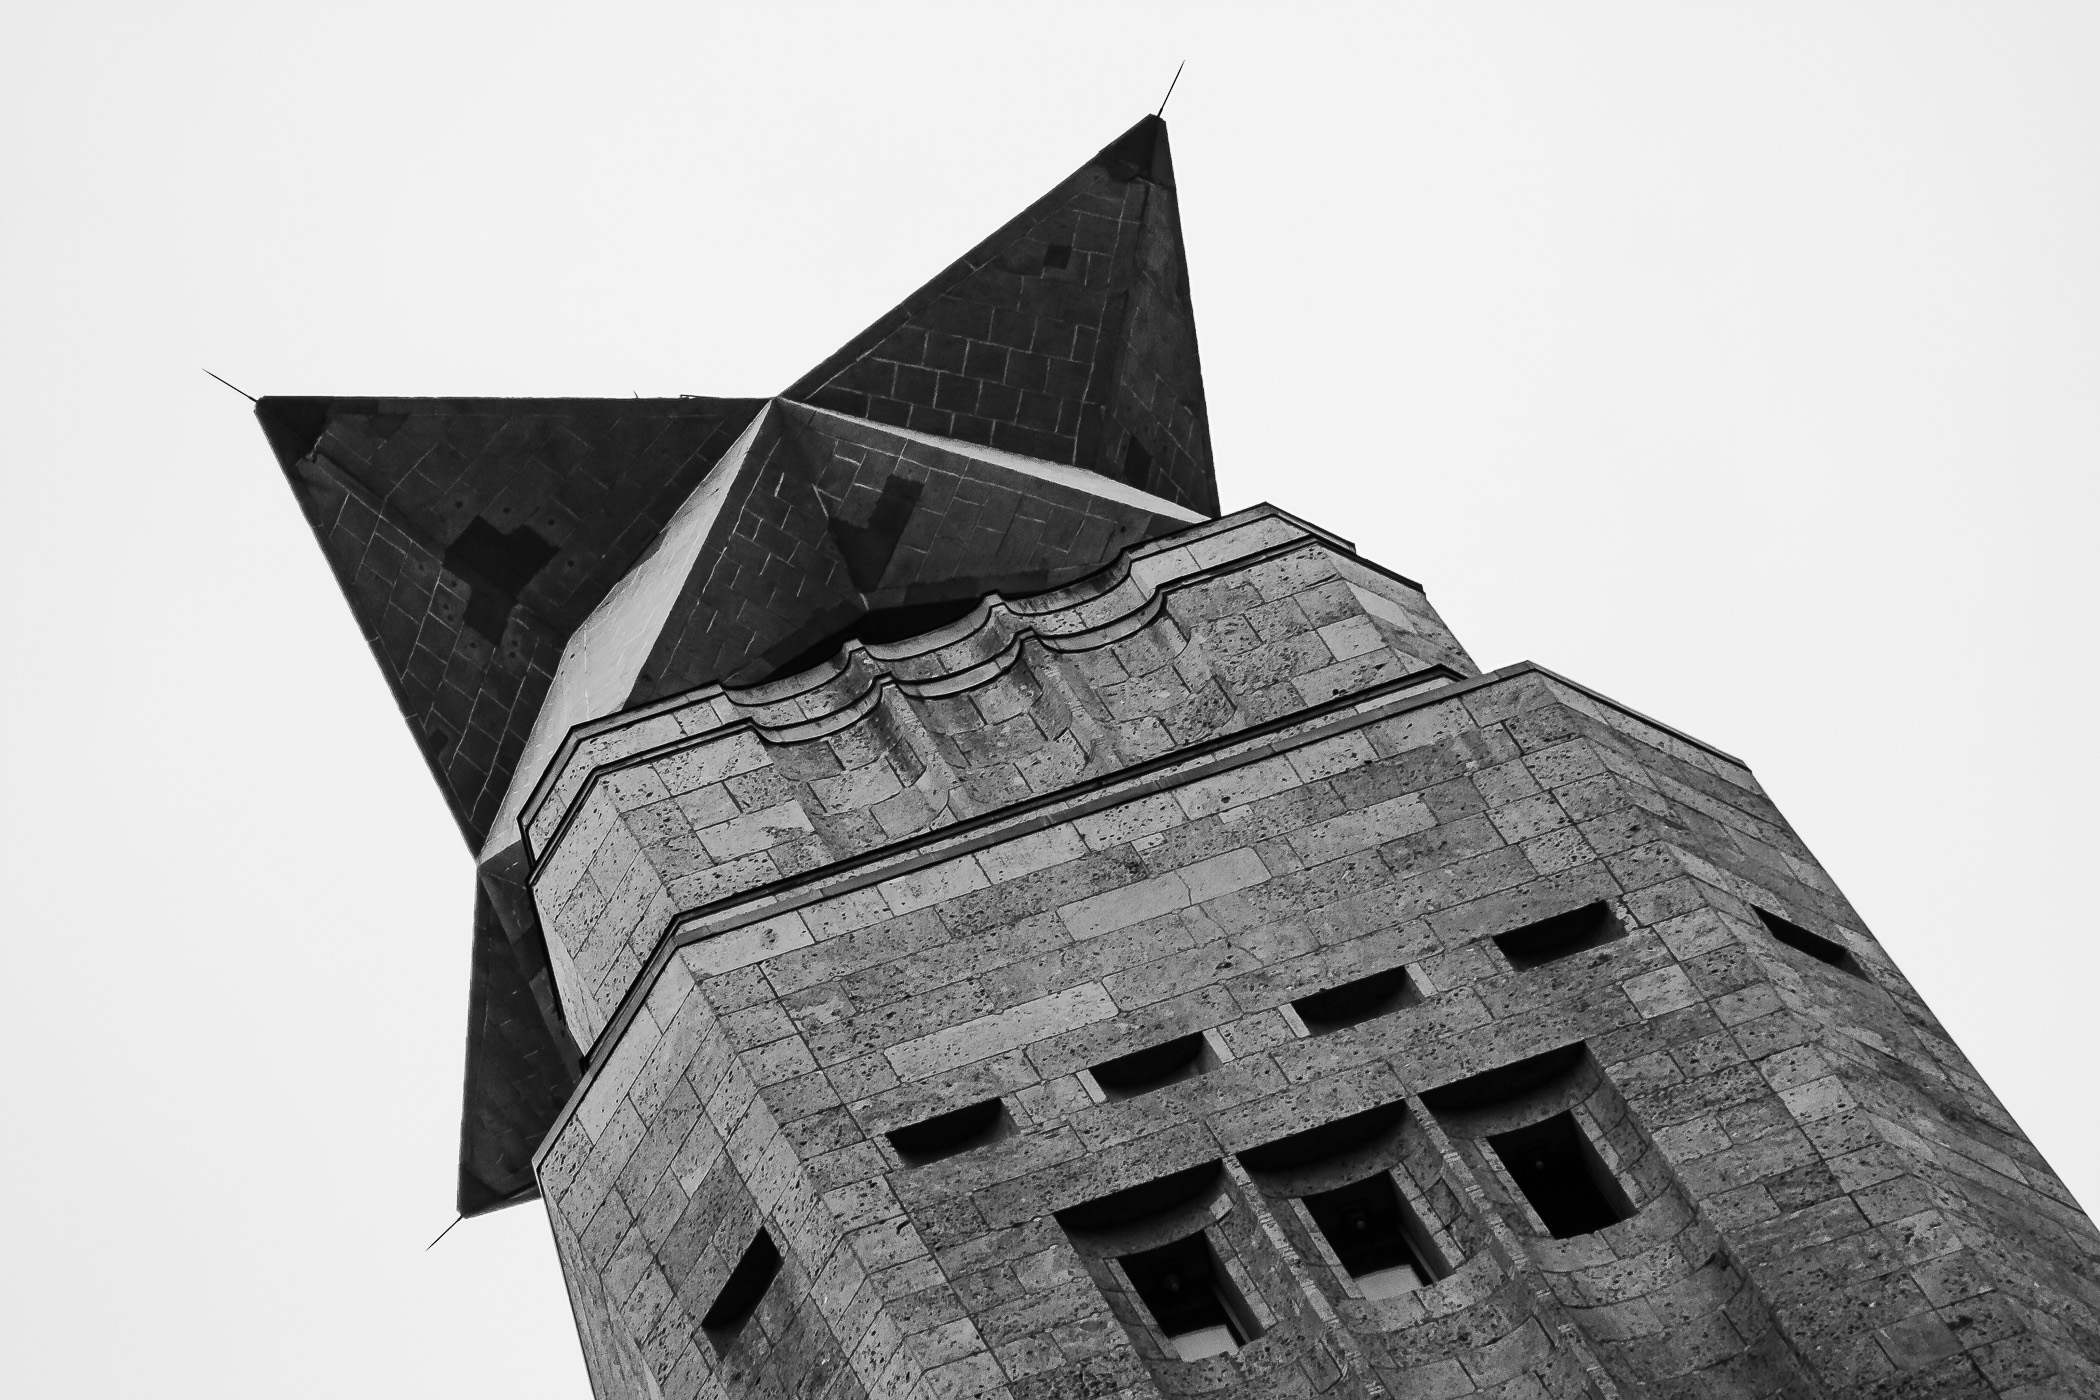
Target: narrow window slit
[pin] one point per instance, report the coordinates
(1560, 936)
(946, 1134)
(1154, 1067)
(741, 1291)
(1562, 1176)
(1822, 949)
(1355, 1002)
(1191, 1297)
(1057, 256)
(1376, 1236)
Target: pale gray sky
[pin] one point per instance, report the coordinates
(1736, 360)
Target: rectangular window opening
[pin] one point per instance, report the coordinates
(1560, 936)
(741, 1291)
(1154, 1067)
(1562, 1176)
(1822, 949)
(1057, 256)
(946, 1134)
(1355, 1002)
(1191, 1297)
(1376, 1236)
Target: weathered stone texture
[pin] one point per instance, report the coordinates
(720, 792)
(1238, 770)
(1021, 937)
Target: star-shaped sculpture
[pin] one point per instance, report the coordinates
(523, 566)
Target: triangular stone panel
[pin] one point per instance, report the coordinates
(1066, 335)
(471, 536)
(979, 520)
(520, 1068)
(769, 579)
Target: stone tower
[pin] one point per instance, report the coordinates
(958, 917)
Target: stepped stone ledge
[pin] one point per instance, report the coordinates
(1227, 624)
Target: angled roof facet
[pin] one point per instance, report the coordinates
(1067, 335)
(471, 536)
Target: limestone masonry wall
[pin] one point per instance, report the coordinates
(720, 793)
(1237, 770)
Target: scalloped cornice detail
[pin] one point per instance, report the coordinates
(702, 796)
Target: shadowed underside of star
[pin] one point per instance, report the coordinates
(520, 566)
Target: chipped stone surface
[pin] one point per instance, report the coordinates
(1824, 1199)
(701, 800)
(902, 759)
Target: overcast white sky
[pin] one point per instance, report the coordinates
(1738, 361)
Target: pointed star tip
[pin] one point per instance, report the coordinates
(1141, 152)
(293, 424)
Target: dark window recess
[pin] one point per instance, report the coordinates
(1814, 944)
(1559, 936)
(1152, 1068)
(1561, 1175)
(1137, 462)
(495, 565)
(1356, 1001)
(1190, 1297)
(746, 1284)
(1057, 255)
(1375, 1236)
(956, 1131)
